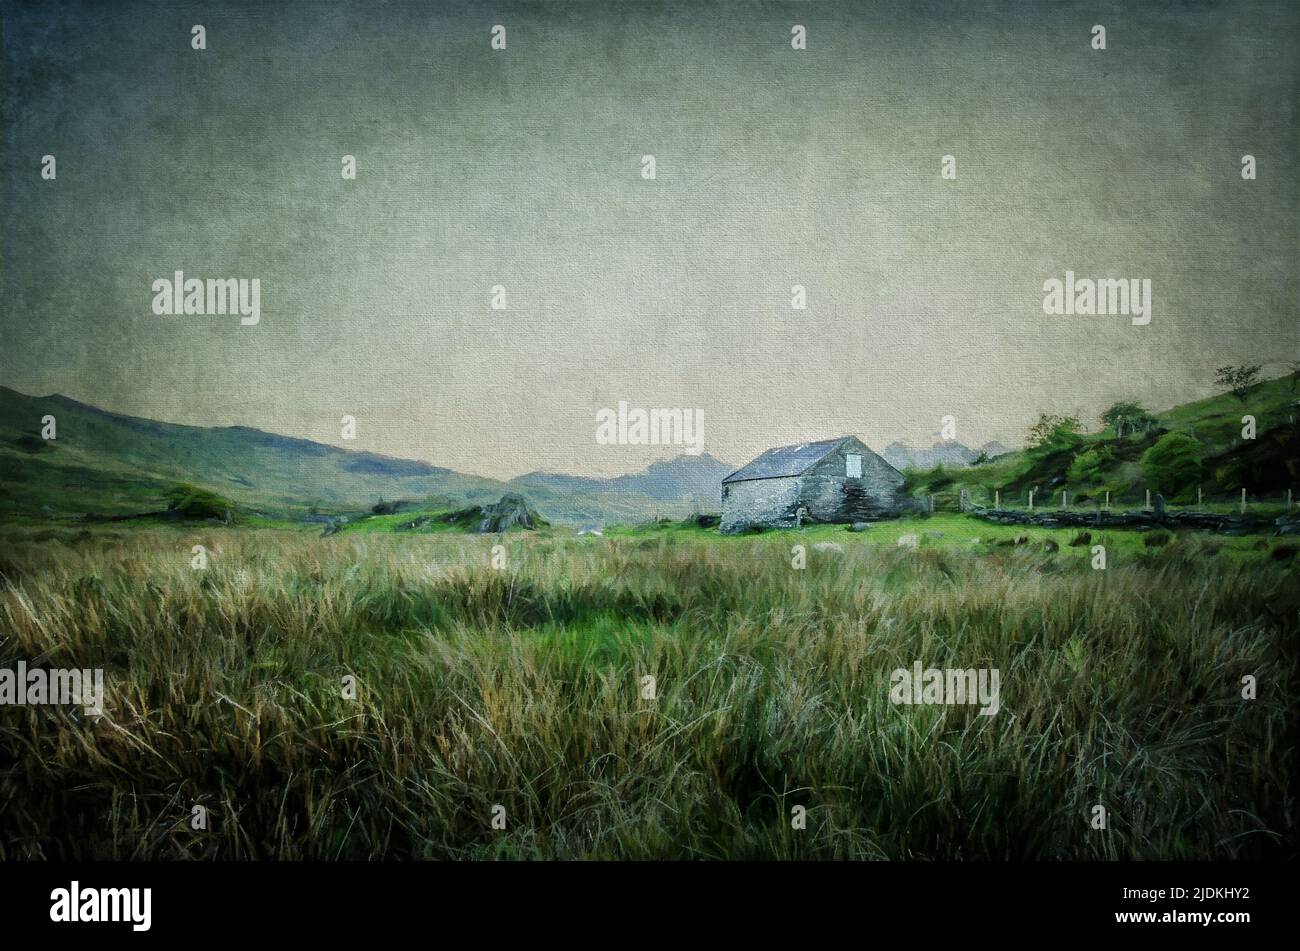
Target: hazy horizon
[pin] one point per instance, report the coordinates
(522, 168)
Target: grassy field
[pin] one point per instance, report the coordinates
(523, 688)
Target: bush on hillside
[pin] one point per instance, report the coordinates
(1087, 466)
(189, 501)
(29, 443)
(1173, 465)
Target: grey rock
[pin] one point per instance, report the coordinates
(512, 511)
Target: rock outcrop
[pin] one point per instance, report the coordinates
(512, 511)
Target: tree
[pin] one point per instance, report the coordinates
(1126, 416)
(1173, 465)
(1054, 432)
(1237, 380)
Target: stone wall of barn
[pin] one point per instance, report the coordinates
(759, 502)
(825, 490)
(831, 496)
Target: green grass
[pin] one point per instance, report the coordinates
(372, 524)
(522, 687)
(957, 532)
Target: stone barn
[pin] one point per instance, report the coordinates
(836, 480)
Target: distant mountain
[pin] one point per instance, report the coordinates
(994, 449)
(693, 480)
(108, 463)
(948, 453)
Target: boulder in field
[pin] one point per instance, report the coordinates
(512, 511)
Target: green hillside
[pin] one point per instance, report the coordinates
(109, 463)
(105, 463)
(1200, 447)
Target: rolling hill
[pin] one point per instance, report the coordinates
(689, 479)
(1090, 464)
(107, 463)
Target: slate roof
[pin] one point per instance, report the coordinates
(785, 461)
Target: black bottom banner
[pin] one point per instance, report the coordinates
(1200, 901)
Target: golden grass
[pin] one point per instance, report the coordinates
(522, 688)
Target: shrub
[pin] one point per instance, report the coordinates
(1086, 467)
(702, 520)
(1156, 539)
(1173, 464)
(29, 443)
(939, 478)
(1083, 538)
(190, 501)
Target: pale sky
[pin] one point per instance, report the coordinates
(522, 168)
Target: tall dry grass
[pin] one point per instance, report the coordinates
(522, 688)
